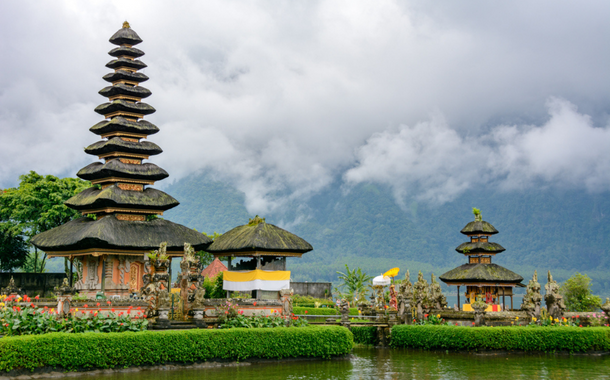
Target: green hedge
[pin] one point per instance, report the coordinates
(548, 339)
(365, 335)
(321, 311)
(91, 350)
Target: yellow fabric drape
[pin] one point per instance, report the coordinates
(257, 274)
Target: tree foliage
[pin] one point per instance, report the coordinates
(13, 250)
(354, 282)
(37, 205)
(577, 294)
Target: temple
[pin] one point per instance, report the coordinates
(120, 223)
(257, 254)
(479, 275)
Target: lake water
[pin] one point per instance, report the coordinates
(370, 363)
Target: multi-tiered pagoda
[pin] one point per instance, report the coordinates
(120, 223)
(480, 276)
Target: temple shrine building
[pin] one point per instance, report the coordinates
(479, 275)
(120, 223)
(257, 254)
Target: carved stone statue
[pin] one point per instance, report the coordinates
(437, 299)
(479, 307)
(532, 298)
(554, 300)
(379, 298)
(420, 295)
(344, 308)
(198, 299)
(405, 298)
(286, 298)
(393, 300)
(12, 289)
(163, 300)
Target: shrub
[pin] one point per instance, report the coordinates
(264, 321)
(365, 335)
(525, 338)
(577, 293)
(90, 350)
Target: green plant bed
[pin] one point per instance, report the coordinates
(365, 335)
(523, 338)
(91, 350)
(321, 311)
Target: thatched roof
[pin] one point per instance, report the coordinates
(484, 247)
(124, 62)
(123, 89)
(123, 50)
(259, 236)
(113, 196)
(116, 168)
(126, 106)
(124, 74)
(492, 273)
(120, 124)
(479, 227)
(126, 36)
(116, 144)
(111, 233)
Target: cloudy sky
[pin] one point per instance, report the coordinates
(283, 98)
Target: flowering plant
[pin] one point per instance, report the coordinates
(19, 319)
(430, 319)
(264, 321)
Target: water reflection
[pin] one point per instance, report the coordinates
(400, 364)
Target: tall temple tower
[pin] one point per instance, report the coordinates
(120, 223)
(480, 276)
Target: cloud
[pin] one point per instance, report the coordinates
(278, 97)
(433, 162)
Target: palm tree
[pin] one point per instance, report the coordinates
(354, 283)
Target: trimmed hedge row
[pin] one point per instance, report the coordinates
(321, 311)
(548, 339)
(365, 335)
(91, 350)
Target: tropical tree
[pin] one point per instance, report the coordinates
(37, 205)
(577, 294)
(354, 283)
(13, 250)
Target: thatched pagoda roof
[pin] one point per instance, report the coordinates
(124, 62)
(113, 196)
(126, 75)
(120, 124)
(482, 247)
(480, 227)
(128, 51)
(110, 233)
(126, 106)
(116, 144)
(126, 36)
(259, 236)
(123, 89)
(484, 273)
(116, 168)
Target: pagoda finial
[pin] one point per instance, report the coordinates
(477, 214)
(125, 24)
(256, 221)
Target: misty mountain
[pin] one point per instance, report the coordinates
(564, 231)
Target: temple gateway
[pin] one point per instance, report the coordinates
(491, 282)
(120, 223)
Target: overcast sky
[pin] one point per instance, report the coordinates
(281, 98)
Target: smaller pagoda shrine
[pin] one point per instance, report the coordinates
(480, 276)
(257, 254)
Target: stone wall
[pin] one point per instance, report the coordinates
(33, 283)
(313, 289)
